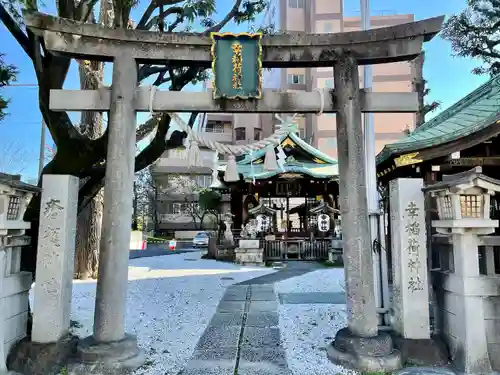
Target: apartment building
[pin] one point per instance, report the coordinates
(323, 16)
(310, 16)
(174, 202)
(327, 16)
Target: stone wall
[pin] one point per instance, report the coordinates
(14, 293)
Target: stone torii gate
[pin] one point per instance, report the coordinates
(359, 345)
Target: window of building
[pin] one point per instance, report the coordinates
(296, 3)
(177, 153)
(177, 208)
(257, 133)
(296, 79)
(301, 132)
(240, 134)
(203, 180)
(214, 127)
(328, 27)
(329, 83)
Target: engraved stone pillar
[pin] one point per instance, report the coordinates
(55, 258)
(409, 254)
(109, 346)
(359, 345)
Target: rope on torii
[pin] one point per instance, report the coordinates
(231, 173)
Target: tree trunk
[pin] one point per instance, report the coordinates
(88, 235)
(88, 228)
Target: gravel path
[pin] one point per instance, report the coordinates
(307, 328)
(169, 304)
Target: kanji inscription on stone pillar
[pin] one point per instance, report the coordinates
(409, 255)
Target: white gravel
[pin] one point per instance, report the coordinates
(307, 329)
(170, 302)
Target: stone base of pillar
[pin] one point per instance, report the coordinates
(33, 358)
(368, 354)
(119, 357)
(422, 352)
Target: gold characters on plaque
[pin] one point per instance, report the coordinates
(237, 65)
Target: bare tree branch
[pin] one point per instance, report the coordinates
(16, 31)
(474, 32)
(146, 15)
(226, 19)
(156, 19)
(146, 71)
(66, 8)
(84, 10)
(144, 129)
(176, 23)
(14, 157)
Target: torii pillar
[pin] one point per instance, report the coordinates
(360, 345)
(110, 347)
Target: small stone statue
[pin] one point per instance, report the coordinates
(243, 233)
(251, 229)
(228, 234)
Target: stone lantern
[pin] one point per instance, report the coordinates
(14, 197)
(463, 202)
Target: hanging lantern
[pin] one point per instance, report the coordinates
(263, 223)
(323, 222)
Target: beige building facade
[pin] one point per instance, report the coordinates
(309, 16)
(322, 16)
(326, 16)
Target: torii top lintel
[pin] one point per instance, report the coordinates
(93, 42)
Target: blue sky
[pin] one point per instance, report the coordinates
(448, 77)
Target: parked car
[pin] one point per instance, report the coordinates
(200, 240)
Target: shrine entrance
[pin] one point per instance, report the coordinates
(238, 90)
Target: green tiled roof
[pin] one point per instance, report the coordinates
(313, 170)
(298, 141)
(476, 111)
(249, 168)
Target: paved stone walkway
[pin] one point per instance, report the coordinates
(243, 337)
(292, 269)
(316, 298)
(426, 371)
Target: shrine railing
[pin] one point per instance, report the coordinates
(288, 249)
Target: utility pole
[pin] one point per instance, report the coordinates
(41, 160)
(380, 269)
